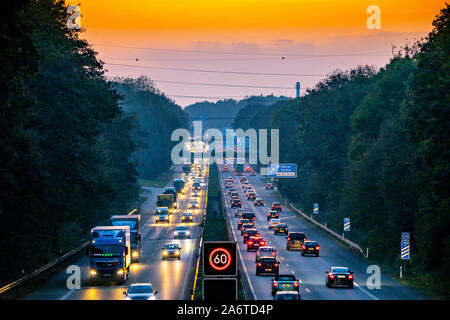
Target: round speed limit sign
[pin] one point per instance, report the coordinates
(219, 258)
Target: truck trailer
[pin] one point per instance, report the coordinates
(134, 222)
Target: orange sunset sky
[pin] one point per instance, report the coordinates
(315, 37)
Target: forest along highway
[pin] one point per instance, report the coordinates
(172, 278)
(310, 270)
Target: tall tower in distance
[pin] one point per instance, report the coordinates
(297, 89)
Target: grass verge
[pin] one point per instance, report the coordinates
(159, 182)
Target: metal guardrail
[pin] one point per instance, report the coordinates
(351, 244)
(47, 266)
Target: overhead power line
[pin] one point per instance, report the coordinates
(220, 71)
(225, 85)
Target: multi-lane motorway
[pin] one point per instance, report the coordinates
(172, 278)
(309, 269)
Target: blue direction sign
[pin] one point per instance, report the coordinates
(316, 208)
(405, 253)
(282, 170)
(346, 224)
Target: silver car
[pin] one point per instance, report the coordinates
(182, 232)
(171, 250)
(140, 291)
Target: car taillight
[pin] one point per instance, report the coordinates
(331, 276)
(262, 243)
(250, 243)
(350, 276)
(304, 247)
(275, 284)
(258, 252)
(275, 264)
(295, 284)
(317, 247)
(245, 234)
(273, 253)
(259, 264)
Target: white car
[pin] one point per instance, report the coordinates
(274, 222)
(140, 291)
(181, 232)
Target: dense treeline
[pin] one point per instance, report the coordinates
(374, 146)
(69, 140)
(158, 117)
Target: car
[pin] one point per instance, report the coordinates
(140, 291)
(254, 242)
(230, 191)
(248, 169)
(264, 251)
(171, 250)
(234, 194)
(243, 179)
(269, 186)
(196, 186)
(273, 223)
(241, 222)
(249, 233)
(228, 185)
(236, 203)
(193, 204)
(287, 295)
(238, 212)
(339, 276)
(234, 198)
(295, 240)
(258, 202)
(253, 173)
(285, 282)
(162, 215)
(280, 228)
(310, 247)
(195, 193)
(187, 217)
(249, 215)
(272, 214)
(267, 265)
(277, 206)
(230, 179)
(181, 232)
(251, 195)
(245, 227)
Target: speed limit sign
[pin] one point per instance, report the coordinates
(219, 259)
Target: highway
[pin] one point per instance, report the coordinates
(309, 269)
(172, 278)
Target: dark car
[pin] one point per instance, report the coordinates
(238, 212)
(230, 191)
(285, 282)
(273, 215)
(249, 233)
(269, 186)
(253, 173)
(251, 195)
(259, 202)
(187, 217)
(339, 276)
(236, 203)
(295, 240)
(254, 243)
(277, 206)
(287, 295)
(280, 228)
(241, 222)
(243, 179)
(310, 247)
(265, 252)
(248, 215)
(228, 185)
(267, 265)
(234, 194)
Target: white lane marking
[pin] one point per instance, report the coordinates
(365, 291)
(307, 290)
(68, 294)
(234, 236)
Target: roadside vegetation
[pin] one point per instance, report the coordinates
(372, 145)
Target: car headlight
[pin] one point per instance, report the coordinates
(187, 232)
(93, 272)
(177, 252)
(165, 253)
(135, 254)
(120, 271)
(176, 232)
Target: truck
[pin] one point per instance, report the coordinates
(134, 222)
(162, 215)
(179, 186)
(239, 168)
(173, 192)
(109, 253)
(165, 200)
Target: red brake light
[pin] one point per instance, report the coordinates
(304, 247)
(331, 276)
(245, 234)
(263, 243)
(250, 243)
(273, 253)
(258, 252)
(275, 284)
(295, 284)
(350, 276)
(275, 264)
(259, 264)
(317, 247)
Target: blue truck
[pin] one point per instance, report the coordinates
(109, 254)
(134, 222)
